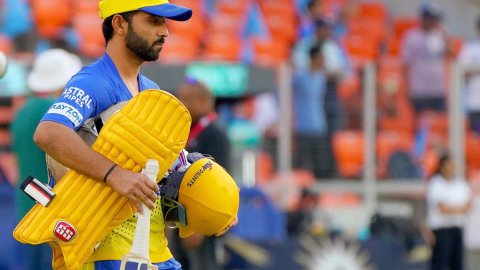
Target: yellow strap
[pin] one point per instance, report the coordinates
(154, 124)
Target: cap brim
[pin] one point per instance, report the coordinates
(170, 11)
(184, 232)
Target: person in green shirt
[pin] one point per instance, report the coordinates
(51, 71)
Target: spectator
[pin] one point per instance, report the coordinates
(336, 67)
(309, 12)
(470, 58)
(448, 200)
(51, 71)
(198, 252)
(425, 49)
(336, 62)
(310, 126)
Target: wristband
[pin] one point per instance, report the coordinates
(109, 172)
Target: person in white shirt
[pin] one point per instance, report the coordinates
(469, 58)
(449, 200)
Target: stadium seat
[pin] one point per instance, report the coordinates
(269, 52)
(393, 46)
(361, 48)
(456, 44)
(221, 47)
(403, 121)
(472, 150)
(401, 25)
(89, 31)
(348, 149)
(85, 6)
(387, 143)
(280, 7)
(348, 87)
(193, 30)
(372, 28)
(281, 28)
(226, 24)
(264, 167)
(178, 49)
(437, 122)
(373, 9)
(196, 5)
(233, 7)
(51, 16)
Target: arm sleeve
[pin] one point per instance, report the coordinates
(219, 149)
(77, 103)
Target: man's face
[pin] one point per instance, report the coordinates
(146, 38)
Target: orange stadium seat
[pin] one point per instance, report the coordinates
(51, 16)
(178, 49)
(195, 5)
(348, 87)
(472, 150)
(227, 24)
(89, 30)
(222, 47)
(281, 28)
(401, 25)
(191, 30)
(393, 46)
(361, 48)
(85, 6)
(373, 28)
(348, 148)
(282, 7)
(269, 52)
(265, 167)
(456, 44)
(373, 9)
(403, 120)
(430, 161)
(233, 7)
(387, 143)
(437, 122)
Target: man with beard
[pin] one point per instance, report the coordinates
(134, 31)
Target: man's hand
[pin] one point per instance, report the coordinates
(135, 186)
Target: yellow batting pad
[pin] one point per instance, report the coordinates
(153, 125)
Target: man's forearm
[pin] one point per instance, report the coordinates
(65, 146)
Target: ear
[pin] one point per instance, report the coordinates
(119, 24)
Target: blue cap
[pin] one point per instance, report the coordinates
(430, 11)
(171, 11)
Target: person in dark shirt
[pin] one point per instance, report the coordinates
(198, 252)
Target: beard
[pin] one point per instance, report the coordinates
(140, 46)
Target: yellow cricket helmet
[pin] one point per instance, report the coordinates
(210, 198)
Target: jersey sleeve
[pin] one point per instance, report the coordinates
(77, 103)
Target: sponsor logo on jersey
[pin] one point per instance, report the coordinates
(78, 95)
(64, 231)
(68, 111)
